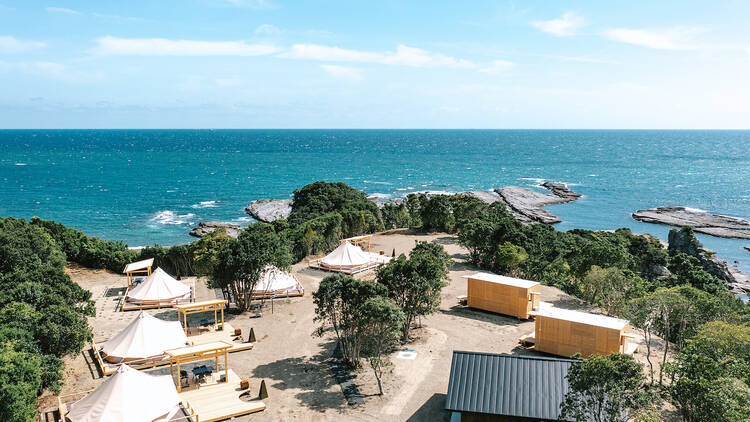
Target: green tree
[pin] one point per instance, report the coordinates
(206, 251)
(415, 283)
(380, 325)
(242, 260)
(604, 389)
(20, 379)
(339, 306)
(509, 257)
(712, 373)
(437, 214)
(610, 288)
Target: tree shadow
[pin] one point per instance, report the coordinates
(446, 240)
(313, 376)
(481, 315)
(432, 410)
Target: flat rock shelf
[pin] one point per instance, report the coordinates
(702, 222)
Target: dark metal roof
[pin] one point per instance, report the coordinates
(523, 386)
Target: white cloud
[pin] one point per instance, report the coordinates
(169, 47)
(10, 44)
(564, 26)
(678, 38)
(403, 56)
(62, 10)
(497, 66)
(267, 29)
(343, 72)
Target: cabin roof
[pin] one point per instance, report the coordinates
(582, 317)
(501, 279)
(500, 384)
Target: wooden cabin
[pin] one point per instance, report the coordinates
(503, 295)
(564, 333)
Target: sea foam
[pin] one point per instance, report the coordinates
(204, 204)
(171, 218)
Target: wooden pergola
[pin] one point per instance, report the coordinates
(138, 268)
(361, 241)
(215, 305)
(205, 351)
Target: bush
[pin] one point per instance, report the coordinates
(42, 315)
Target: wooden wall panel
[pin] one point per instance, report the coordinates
(499, 298)
(566, 338)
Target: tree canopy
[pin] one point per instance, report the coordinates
(605, 389)
(415, 283)
(240, 262)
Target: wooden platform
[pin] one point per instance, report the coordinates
(215, 401)
(286, 293)
(317, 264)
(194, 336)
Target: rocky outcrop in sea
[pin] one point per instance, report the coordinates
(712, 224)
(269, 210)
(526, 204)
(206, 227)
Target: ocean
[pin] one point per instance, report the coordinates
(152, 186)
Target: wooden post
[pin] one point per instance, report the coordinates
(179, 374)
(222, 318)
(226, 366)
(216, 318)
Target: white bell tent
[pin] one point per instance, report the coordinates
(145, 337)
(346, 256)
(349, 259)
(277, 283)
(158, 287)
(128, 396)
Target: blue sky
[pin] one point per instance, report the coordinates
(390, 64)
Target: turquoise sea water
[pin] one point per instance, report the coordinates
(152, 186)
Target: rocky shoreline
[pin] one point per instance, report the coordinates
(206, 227)
(526, 204)
(523, 203)
(711, 224)
(269, 210)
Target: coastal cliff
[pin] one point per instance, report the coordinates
(711, 224)
(269, 210)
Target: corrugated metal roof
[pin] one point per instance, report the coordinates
(523, 386)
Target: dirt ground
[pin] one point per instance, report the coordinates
(292, 360)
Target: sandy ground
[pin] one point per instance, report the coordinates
(292, 360)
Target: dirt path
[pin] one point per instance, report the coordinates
(292, 360)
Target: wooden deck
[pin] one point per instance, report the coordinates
(195, 336)
(215, 401)
(317, 264)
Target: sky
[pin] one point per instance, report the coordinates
(374, 64)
